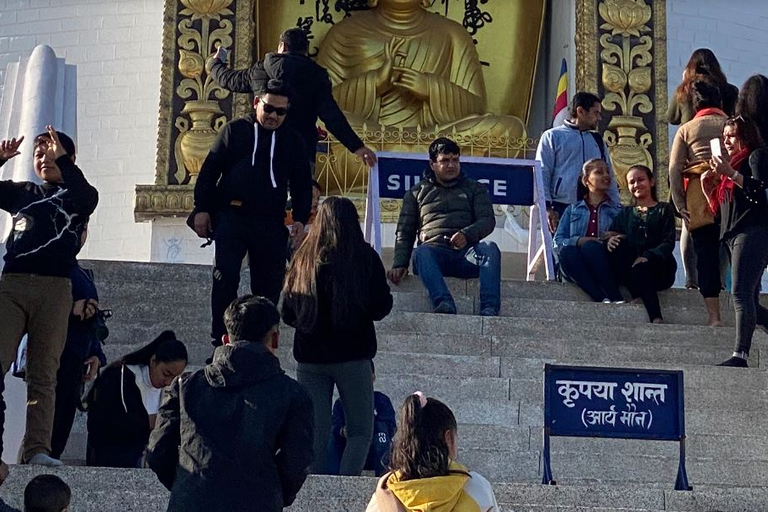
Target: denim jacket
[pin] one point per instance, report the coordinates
(573, 223)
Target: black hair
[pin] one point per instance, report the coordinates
(166, 349)
(66, 141)
(702, 63)
(336, 245)
(747, 131)
(250, 318)
(276, 87)
(753, 103)
(46, 493)
(443, 146)
(581, 189)
(649, 173)
(419, 449)
(705, 94)
(585, 100)
(295, 41)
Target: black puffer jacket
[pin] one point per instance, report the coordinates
(436, 212)
(312, 95)
(234, 436)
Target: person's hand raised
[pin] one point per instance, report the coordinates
(10, 148)
(56, 146)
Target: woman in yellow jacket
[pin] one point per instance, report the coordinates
(424, 475)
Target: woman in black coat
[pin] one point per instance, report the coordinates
(736, 189)
(334, 291)
(125, 398)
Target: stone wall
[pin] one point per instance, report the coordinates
(116, 46)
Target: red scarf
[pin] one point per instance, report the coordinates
(710, 111)
(724, 192)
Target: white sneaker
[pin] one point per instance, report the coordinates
(42, 459)
(606, 301)
(619, 302)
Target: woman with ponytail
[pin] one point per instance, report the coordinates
(424, 474)
(123, 403)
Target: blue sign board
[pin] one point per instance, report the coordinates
(614, 402)
(507, 183)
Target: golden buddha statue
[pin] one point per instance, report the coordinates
(399, 65)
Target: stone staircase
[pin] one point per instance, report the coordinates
(489, 371)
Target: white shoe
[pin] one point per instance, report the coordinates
(619, 302)
(606, 301)
(42, 459)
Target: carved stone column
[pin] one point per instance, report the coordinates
(622, 56)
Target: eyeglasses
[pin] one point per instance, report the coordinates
(280, 111)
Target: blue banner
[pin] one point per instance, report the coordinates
(613, 402)
(508, 183)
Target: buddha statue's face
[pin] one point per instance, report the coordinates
(399, 4)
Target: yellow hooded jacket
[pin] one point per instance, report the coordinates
(436, 494)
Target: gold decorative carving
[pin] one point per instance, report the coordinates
(626, 74)
(153, 201)
(197, 86)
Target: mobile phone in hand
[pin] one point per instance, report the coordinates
(715, 147)
(223, 52)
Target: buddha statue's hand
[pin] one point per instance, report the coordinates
(415, 82)
(384, 73)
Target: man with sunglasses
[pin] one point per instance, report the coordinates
(240, 198)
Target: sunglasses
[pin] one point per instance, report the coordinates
(269, 109)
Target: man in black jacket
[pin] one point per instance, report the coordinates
(312, 97)
(240, 198)
(35, 289)
(236, 435)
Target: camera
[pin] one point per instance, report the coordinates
(100, 329)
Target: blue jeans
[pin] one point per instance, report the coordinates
(588, 267)
(431, 263)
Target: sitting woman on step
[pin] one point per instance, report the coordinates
(578, 239)
(642, 238)
(123, 403)
(737, 190)
(424, 474)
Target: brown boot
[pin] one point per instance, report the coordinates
(713, 312)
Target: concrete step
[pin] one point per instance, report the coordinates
(113, 490)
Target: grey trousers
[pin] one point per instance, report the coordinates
(355, 383)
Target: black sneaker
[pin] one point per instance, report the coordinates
(735, 362)
(489, 312)
(445, 307)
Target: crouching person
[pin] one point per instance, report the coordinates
(237, 434)
(451, 214)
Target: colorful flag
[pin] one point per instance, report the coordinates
(561, 101)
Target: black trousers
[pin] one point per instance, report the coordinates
(706, 243)
(644, 280)
(749, 257)
(237, 234)
(68, 380)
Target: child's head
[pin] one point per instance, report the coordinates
(426, 439)
(47, 493)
